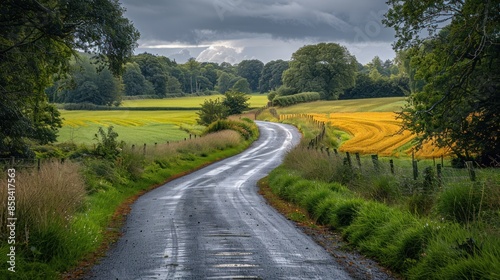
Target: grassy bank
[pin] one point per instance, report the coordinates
(67, 214)
(413, 227)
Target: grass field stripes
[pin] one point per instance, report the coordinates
(373, 133)
(255, 101)
(133, 127)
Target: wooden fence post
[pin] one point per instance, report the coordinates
(375, 162)
(415, 169)
(144, 149)
(348, 159)
(391, 163)
(358, 159)
(440, 174)
(472, 172)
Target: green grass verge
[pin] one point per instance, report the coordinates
(61, 246)
(419, 248)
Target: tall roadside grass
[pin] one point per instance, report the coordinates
(423, 229)
(69, 213)
(46, 203)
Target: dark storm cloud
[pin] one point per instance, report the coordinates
(205, 21)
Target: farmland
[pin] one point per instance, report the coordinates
(139, 127)
(135, 127)
(371, 123)
(256, 100)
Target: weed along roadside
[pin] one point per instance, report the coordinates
(420, 222)
(60, 235)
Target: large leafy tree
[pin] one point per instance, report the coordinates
(134, 81)
(153, 68)
(87, 85)
(241, 85)
(251, 70)
(37, 39)
(455, 64)
(272, 72)
(327, 68)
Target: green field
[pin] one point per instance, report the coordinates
(256, 101)
(133, 127)
(139, 127)
(388, 104)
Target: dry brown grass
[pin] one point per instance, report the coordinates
(52, 194)
(200, 145)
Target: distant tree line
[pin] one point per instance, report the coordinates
(335, 75)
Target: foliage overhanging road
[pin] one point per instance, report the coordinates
(212, 224)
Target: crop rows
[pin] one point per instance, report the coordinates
(377, 133)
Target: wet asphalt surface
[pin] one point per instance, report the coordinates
(212, 224)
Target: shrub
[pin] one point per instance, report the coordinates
(107, 146)
(289, 100)
(247, 130)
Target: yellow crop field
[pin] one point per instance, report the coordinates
(372, 125)
(376, 133)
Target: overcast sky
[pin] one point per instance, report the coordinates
(233, 30)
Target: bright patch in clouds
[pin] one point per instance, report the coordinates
(232, 30)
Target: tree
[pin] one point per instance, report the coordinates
(457, 105)
(90, 86)
(211, 111)
(37, 40)
(241, 85)
(272, 72)
(193, 70)
(327, 68)
(251, 70)
(134, 81)
(154, 69)
(236, 102)
(173, 85)
(224, 82)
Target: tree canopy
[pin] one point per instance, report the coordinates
(327, 68)
(37, 40)
(272, 72)
(251, 70)
(455, 78)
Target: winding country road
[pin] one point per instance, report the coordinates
(212, 224)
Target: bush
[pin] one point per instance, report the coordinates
(289, 100)
(246, 129)
(107, 146)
